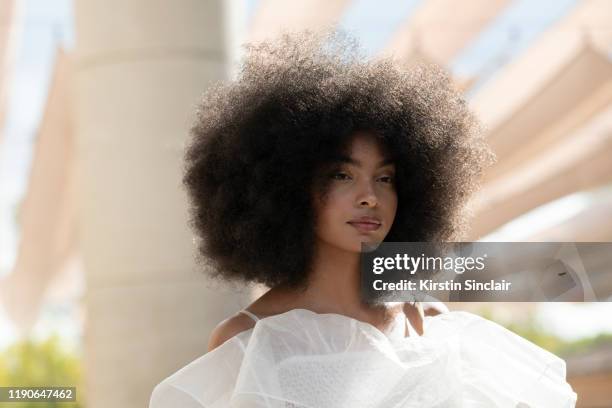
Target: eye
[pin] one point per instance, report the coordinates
(386, 179)
(340, 176)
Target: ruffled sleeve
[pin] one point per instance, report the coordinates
(166, 395)
(309, 360)
(500, 368)
(207, 382)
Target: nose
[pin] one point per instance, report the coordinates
(367, 196)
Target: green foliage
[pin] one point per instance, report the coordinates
(556, 345)
(535, 333)
(30, 363)
(585, 344)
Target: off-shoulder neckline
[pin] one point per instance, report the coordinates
(360, 322)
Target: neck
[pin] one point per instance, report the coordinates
(334, 281)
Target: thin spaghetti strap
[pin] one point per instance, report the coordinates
(251, 315)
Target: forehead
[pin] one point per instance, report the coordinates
(366, 144)
(366, 148)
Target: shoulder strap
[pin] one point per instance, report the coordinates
(251, 315)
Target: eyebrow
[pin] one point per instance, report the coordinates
(350, 160)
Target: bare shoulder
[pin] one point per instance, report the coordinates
(274, 301)
(229, 328)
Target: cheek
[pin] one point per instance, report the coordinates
(390, 200)
(391, 207)
(331, 211)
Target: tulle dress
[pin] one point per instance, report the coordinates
(304, 359)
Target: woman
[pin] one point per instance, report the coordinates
(310, 152)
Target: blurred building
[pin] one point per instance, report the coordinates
(590, 373)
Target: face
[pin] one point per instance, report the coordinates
(361, 200)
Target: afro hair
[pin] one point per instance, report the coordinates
(259, 140)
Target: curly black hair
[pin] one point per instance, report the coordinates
(259, 141)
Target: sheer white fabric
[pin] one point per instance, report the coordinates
(304, 359)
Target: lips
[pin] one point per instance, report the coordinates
(365, 224)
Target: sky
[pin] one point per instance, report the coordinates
(47, 24)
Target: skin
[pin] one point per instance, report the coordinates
(362, 185)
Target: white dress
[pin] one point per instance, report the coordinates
(305, 359)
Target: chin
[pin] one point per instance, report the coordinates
(353, 243)
(348, 246)
(356, 247)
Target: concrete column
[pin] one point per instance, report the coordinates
(140, 69)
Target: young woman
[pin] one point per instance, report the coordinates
(310, 152)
